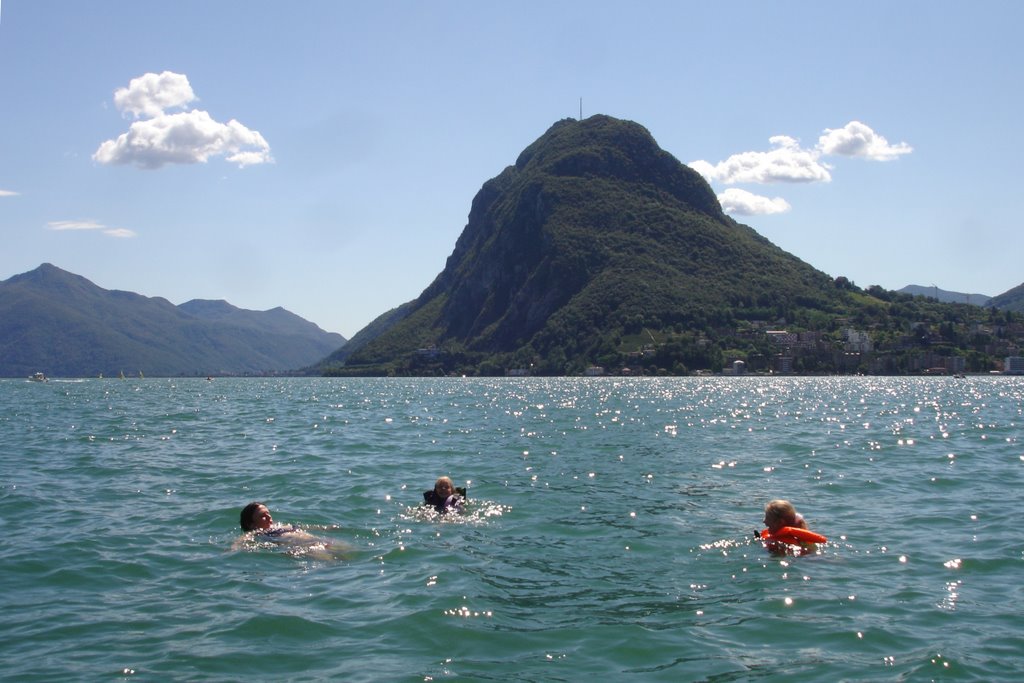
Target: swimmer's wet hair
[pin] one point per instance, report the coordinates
(247, 513)
(782, 510)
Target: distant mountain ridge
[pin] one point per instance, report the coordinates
(62, 324)
(1011, 300)
(273, 320)
(946, 296)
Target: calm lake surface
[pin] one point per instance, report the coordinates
(609, 534)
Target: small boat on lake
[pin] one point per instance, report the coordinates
(38, 377)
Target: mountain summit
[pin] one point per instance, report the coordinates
(595, 236)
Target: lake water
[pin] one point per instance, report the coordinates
(609, 534)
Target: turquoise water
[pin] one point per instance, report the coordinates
(609, 535)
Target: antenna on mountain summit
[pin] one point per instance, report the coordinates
(581, 109)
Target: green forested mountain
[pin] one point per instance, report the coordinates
(599, 248)
(62, 324)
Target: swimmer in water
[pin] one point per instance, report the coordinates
(445, 496)
(258, 525)
(256, 519)
(777, 515)
(780, 513)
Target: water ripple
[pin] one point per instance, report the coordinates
(609, 532)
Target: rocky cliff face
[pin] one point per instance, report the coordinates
(526, 250)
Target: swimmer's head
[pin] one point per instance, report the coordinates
(444, 487)
(779, 513)
(255, 516)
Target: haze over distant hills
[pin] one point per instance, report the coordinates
(62, 324)
(1012, 300)
(598, 250)
(947, 296)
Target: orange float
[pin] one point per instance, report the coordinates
(793, 535)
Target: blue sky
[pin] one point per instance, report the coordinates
(322, 155)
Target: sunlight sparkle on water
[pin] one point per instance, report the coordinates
(827, 443)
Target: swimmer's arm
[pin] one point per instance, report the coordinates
(299, 534)
(239, 542)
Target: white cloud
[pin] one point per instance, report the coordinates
(787, 163)
(858, 140)
(8, 193)
(187, 137)
(184, 138)
(151, 94)
(74, 225)
(249, 158)
(119, 232)
(61, 226)
(743, 203)
(790, 163)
